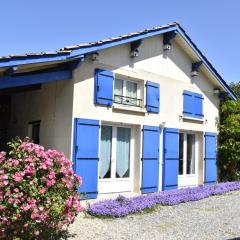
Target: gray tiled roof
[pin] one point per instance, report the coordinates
(68, 49)
(133, 34)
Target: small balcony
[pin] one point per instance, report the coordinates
(128, 101)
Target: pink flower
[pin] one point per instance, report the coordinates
(51, 175)
(69, 185)
(78, 179)
(41, 208)
(2, 207)
(42, 190)
(50, 183)
(25, 207)
(26, 225)
(18, 177)
(5, 182)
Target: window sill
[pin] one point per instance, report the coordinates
(187, 175)
(129, 108)
(193, 119)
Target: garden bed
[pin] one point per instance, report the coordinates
(122, 206)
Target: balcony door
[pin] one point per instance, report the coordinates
(116, 153)
(188, 160)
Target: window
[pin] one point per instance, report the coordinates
(186, 154)
(35, 131)
(115, 152)
(123, 152)
(105, 153)
(126, 93)
(192, 105)
(181, 150)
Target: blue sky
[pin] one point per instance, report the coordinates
(47, 25)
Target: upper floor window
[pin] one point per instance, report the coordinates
(126, 93)
(192, 104)
(109, 89)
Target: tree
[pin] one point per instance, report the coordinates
(229, 138)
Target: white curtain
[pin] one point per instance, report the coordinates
(190, 154)
(118, 90)
(105, 152)
(123, 152)
(131, 91)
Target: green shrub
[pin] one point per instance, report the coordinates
(229, 138)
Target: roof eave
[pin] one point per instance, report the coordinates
(80, 52)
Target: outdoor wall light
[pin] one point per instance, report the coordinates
(194, 73)
(134, 53)
(216, 91)
(167, 38)
(167, 47)
(95, 56)
(162, 124)
(134, 48)
(195, 68)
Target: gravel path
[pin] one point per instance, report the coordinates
(216, 217)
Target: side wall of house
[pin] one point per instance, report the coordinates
(52, 105)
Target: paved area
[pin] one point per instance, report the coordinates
(212, 218)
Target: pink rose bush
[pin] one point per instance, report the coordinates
(38, 192)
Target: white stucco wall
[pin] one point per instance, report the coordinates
(52, 104)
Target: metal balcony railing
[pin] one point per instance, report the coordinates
(124, 100)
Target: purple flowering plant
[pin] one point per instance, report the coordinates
(122, 206)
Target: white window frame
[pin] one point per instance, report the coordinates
(114, 184)
(140, 87)
(185, 154)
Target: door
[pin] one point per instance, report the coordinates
(188, 160)
(116, 154)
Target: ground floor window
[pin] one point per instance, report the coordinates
(187, 154)
(115, 152)
(34, 128)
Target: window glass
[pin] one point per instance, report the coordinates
(36, 132)
(181, 149)
(105, 152)
(123, 152)
(190, 154)
(118, 90)
(131, 92)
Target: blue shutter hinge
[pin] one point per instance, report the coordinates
(76, 148)
(98, 88)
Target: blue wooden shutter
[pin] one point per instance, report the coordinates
(153, 97)
(210, 158)
(171, 158)
(198, 105)
(188, 104)
(103, 89)
(86, 155)
(150, 159)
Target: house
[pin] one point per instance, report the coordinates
(135, 113)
